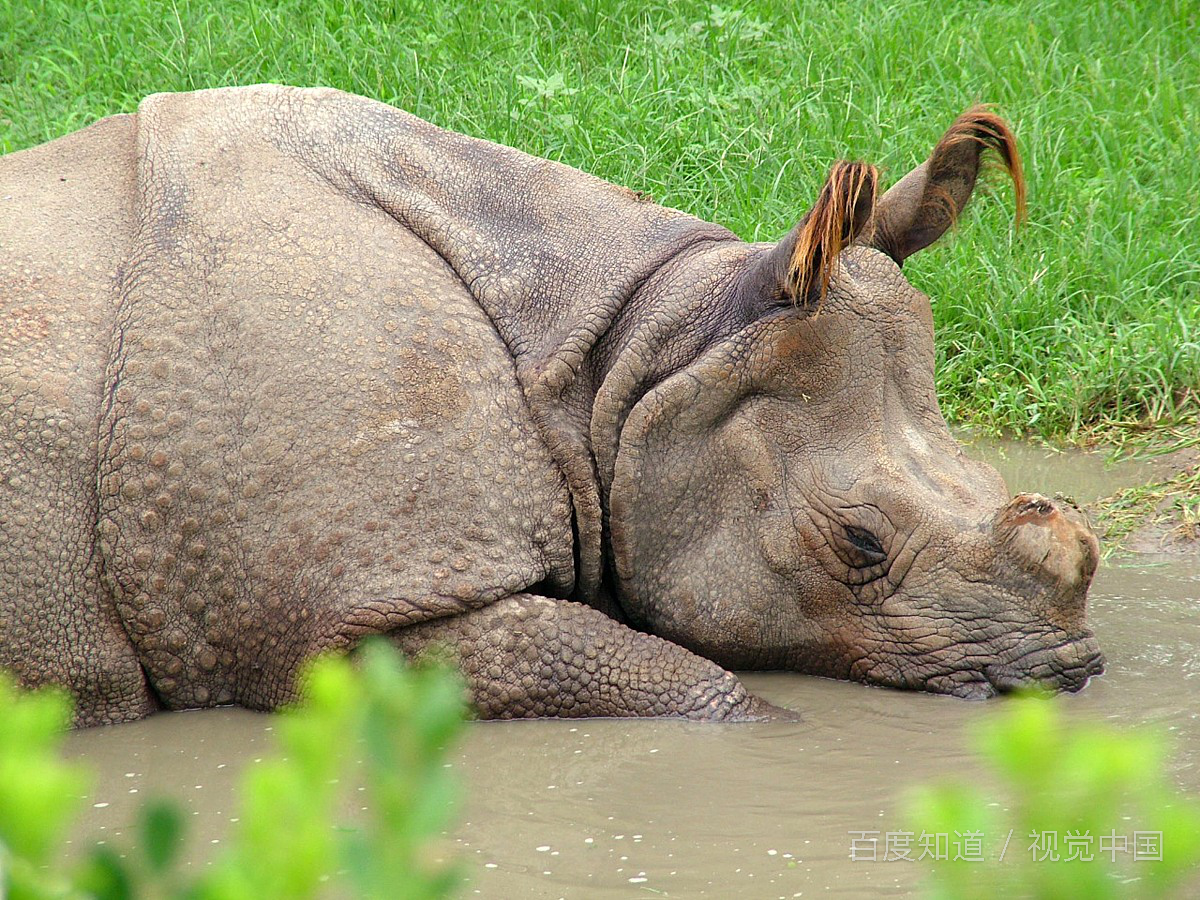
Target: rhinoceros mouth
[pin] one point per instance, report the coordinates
(1067, 666)
(1047, 662)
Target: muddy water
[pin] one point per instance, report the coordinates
(624, 809)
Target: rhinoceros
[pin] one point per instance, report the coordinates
(285, 368)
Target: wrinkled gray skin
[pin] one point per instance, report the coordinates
(283, 368)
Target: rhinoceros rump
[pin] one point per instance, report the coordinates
(284, 368)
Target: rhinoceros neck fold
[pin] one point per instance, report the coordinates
(550, 254)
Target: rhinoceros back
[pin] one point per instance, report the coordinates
(311, 431)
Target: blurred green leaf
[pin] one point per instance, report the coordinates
(397, 720)
(162, 834)
(38, 792)
(105, 876)
(1061, 781)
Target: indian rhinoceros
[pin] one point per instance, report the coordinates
(284, 368)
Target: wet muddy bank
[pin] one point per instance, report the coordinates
(1174, 526)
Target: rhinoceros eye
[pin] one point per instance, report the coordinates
(867, 545)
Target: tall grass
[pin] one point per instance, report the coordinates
(1089, 315)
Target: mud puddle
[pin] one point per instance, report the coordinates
(598, 809)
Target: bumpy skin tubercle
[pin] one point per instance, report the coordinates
(66, 222)
(528, 656)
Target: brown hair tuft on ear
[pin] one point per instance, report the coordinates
(983, 126)
(840, 215)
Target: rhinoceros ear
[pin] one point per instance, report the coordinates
(801, 265)
(918, 209)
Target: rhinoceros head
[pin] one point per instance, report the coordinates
(793, 499)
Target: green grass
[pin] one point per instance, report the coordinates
(1089, 316)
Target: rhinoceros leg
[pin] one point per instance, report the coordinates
(64, 220)
(529, 656)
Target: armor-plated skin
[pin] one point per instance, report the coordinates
(283, 368)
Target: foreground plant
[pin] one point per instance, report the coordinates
(38, 792)
(398, 721)
(1089, 812)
